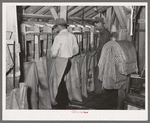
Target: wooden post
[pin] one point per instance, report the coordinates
(108, 18)
(63, 12)
(54, 13)
(119, 13)
(11, 25)
(112, 19)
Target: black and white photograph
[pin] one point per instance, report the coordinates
(74, 61)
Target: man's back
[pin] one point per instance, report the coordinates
(65, 44)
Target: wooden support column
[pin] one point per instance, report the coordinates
(119, 13)
(63, 12)
(123, 15)
(12, 26)
(108, 18)
(54, 13)
(112, 19)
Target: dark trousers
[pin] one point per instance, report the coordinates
(62, 95)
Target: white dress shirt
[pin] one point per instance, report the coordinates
(65, 45)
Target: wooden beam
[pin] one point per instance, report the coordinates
(31, 8)
(123, 14)
(48, 12)
(89, 12)
(112, 18)
(115, 23)
(108, 18)
(11, 24)
(127, 10)
(63, 12)
(36, 16)
(76, 10)
(53, 11)
(43, 9)
(100, 10)
(70, 8)
(37, 9)
(98, 15)
(75, 21)
(86, 10)
(48, 17)
(119, 16)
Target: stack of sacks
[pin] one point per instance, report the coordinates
(118, 59)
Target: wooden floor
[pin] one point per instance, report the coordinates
(105, 101)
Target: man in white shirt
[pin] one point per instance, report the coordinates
(64, 48)
(65, 43)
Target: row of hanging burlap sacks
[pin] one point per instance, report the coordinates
(37, 40)
(38, 69)
(33, 80)
(88, 40)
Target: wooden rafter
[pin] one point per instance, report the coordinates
(121, 16)
(85, 11)
(126, 10)
(54, 13)
(89, 12)
(48, 12)
(75, 21)
(49, 17)
(100, 10)
(42, 9)
(70, 8)
(37, 9)
(45, 11)
(112, 18)
(30, 9)
(76, 10)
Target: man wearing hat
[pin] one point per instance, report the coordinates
(104, 33)
(63, 49)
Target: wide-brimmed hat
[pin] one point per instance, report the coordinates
(60, 21)
(98, 19)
